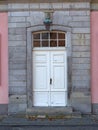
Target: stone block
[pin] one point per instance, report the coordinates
(9, 5)
(94, 6)
(36, 18)
(17, 90)
(3, 7)
(81, 66)
(81, 48)
(66, 5)
(16, 108)
(81, 30)
(80, 5)
(22, 13)
(18, 60)
(80, 77)
(19, 83)
(57, 5)
(58, 18)
(17, 56)
(81, 72)
(11, 25)
(81, 42)
(17, 72)
(81, 36)
(9, 14)
(17, 78)
(16, 19)
(17, 49)
(81, 102)
(79, 24)
(44, 5)
(81, 54)
(17, 31)
(79, 13)
(81, 18)
(81, 83)
(14, 25)
(80, 60)
(17, 37)
(17, 66)
(34, 5)
(17, 99)
(3, 111)
(19, 6)
(17, 43)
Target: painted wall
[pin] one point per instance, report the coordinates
(3, 58)
(94, 56)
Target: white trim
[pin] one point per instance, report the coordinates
(49, 49)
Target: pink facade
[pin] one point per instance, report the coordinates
(3, 58)
(94, 56)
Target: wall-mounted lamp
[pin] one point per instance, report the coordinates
(48, 19)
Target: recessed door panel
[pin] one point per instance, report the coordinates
(58, 98)
(40, 77)
(40, 99)
(58, 77)
(40, 71)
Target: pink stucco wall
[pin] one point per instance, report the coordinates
(3, 58)
(94, 56)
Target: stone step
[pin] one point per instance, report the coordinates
(52, 112)
(49, 110)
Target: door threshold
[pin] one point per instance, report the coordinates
(49, 110)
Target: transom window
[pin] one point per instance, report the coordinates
(49, 39)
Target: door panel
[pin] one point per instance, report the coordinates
(40, 99)
(40, 71)
(58, 70)
(49, 78)
(58, 98)
(40, 77)
(58, 77)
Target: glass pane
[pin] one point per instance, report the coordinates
(53, 43)
(53, 35)
(61, 43)
(36, 43)
(45, 44)
(44, 35)
(36, 36)
(61, 35)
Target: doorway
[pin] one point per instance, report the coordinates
(49, 62)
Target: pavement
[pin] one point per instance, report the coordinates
(51, 120)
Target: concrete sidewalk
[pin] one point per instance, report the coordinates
(41, 120)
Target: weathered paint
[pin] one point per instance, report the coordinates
(4, 58)
(94, 56)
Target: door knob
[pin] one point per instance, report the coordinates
(50, 80)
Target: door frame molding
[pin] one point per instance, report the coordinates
(32, 29)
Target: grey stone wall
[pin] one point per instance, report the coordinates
(22, 16)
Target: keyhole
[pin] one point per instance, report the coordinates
(50, 80)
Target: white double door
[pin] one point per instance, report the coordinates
(49, 78)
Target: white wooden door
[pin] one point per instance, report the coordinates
(49, 78)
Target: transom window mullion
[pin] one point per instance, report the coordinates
(49, 39)
(57, 39)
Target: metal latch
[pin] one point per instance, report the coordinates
(50, 80)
